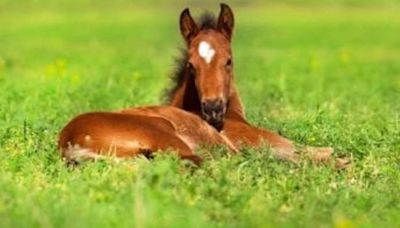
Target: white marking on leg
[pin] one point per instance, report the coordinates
(206, 51)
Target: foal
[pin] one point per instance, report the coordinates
(205, 86)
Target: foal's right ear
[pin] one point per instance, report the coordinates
(226, 21)
(188, 27)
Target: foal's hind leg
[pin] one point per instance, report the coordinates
(94, 136)
(99, 148)
(158, 140)
(172, 141)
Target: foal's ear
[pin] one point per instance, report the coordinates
(226, 21)
(188, 27)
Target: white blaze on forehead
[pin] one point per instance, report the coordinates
(206, 51)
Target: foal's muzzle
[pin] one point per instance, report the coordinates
(213, 112)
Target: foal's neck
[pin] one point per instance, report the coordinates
(185, 96)
(234, 108)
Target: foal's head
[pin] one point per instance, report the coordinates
(210, 62)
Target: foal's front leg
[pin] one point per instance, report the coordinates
(241, 134)
(285, 148)
(244, 134)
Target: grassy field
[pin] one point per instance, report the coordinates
(320, 75)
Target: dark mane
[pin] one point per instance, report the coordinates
(205, 22)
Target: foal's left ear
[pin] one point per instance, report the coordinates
(226, 21)
(187, 25)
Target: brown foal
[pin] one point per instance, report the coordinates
(205, 86)
(204, 90)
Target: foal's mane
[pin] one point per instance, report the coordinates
(206, 21)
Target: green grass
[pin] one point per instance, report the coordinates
(319, 75)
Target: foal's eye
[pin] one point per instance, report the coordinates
(191, 68)
(228, 63)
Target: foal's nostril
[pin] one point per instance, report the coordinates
(213, 112)
(213, 107)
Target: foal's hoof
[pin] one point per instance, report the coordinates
(319, 154)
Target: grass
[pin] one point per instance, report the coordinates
(319, 75)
